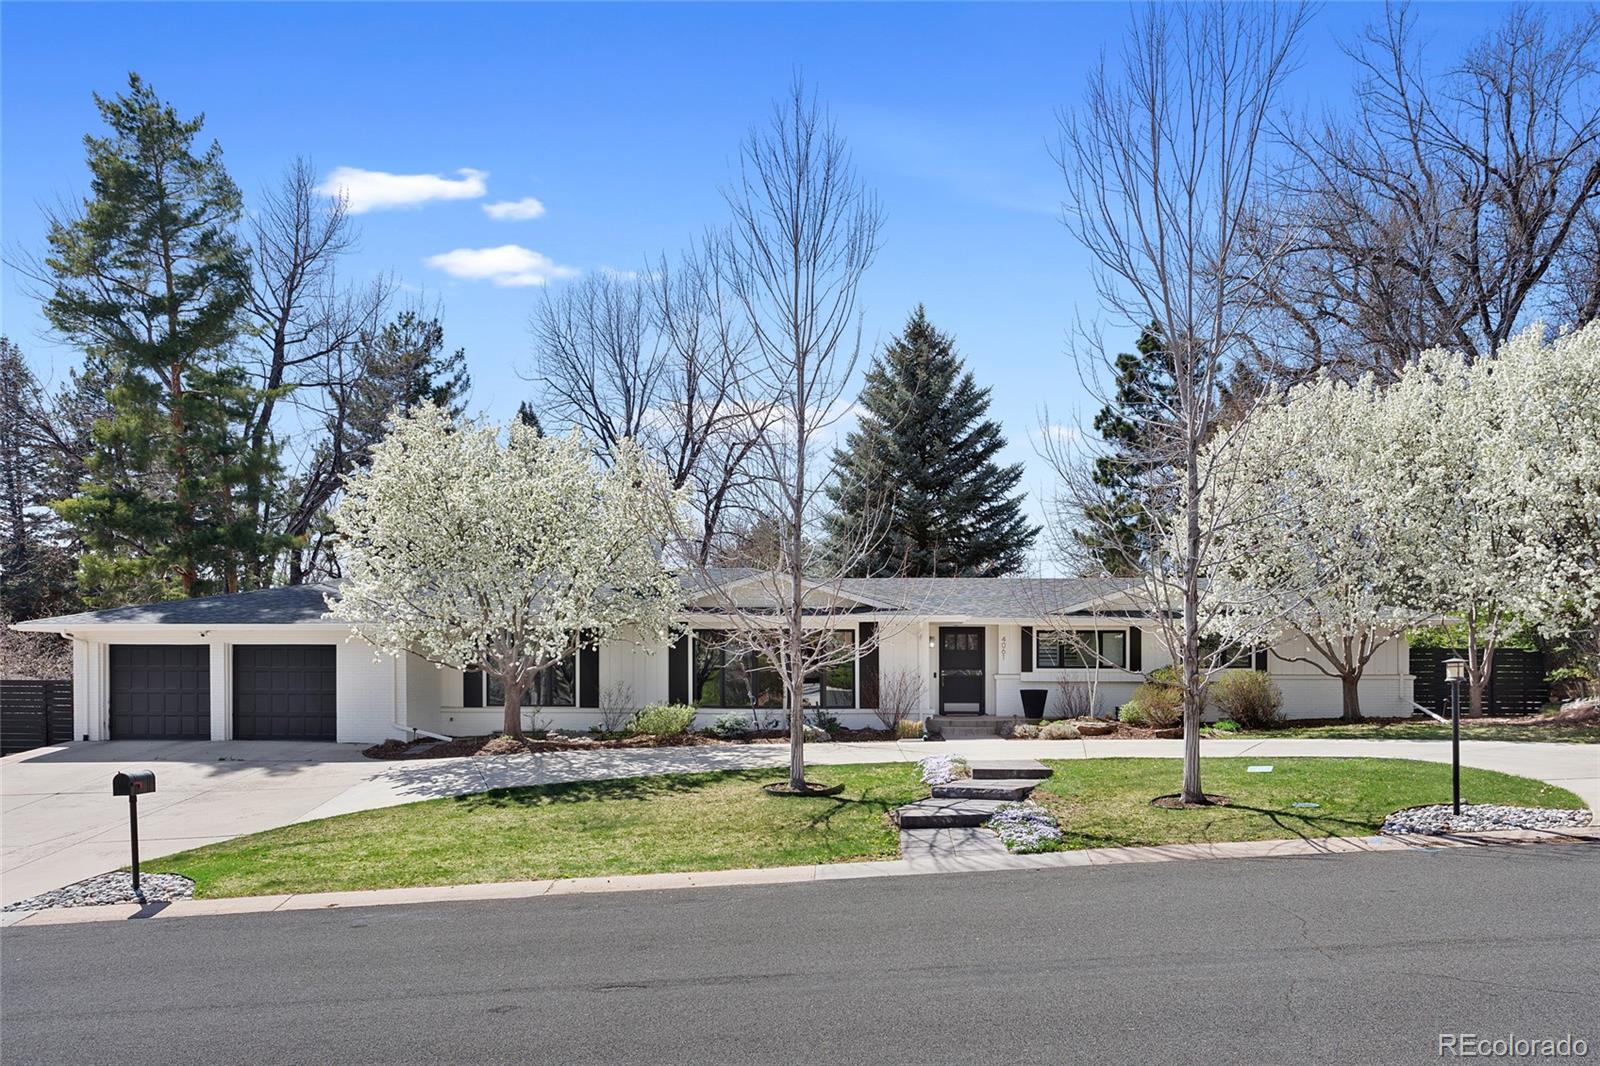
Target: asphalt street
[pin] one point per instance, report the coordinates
(1343, 959)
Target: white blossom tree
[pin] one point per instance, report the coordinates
(1546, 461)
(1467, 490)
(477, 546)
(1322, 560)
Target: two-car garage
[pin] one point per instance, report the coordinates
(279, 691)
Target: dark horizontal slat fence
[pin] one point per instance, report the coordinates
(1516, 681)
(34, 714)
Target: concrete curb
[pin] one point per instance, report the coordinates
(972, 863)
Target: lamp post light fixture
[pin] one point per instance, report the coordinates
(1455, 671)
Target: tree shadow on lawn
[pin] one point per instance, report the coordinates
(659, 786)
(1308, 827)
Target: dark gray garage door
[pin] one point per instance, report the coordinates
(284, 692)
(160, 690)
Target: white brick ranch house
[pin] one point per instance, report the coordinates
(270, 664)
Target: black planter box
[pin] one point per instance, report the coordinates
(1033, 700)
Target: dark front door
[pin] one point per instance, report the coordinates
(284, 692)
(160, 691)
(961, 670)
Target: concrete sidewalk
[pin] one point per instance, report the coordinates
(59, 823)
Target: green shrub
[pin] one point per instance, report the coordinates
(1227, 725)
(1058, 730)
(1249, 697)
(730, 725)
(1156, 704)
(1024, 731)
(661, 720)
(908, 729)
(823, 720)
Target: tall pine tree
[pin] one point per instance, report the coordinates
(148, 278)
(1116, 529)
(921, 465)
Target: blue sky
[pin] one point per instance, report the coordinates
(623, 122)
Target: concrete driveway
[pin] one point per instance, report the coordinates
(59, 822)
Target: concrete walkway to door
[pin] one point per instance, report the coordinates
(59, 822)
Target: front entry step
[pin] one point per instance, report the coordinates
(946, 813)
(995, 788)
(1009, 768)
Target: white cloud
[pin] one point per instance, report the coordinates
(507, 265)
(514, 210)
(376, 190)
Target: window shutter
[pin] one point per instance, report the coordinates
(1027, 649)
(472, 688)
(1135, 652)
(589, 676)
(1261, 660)
(869, 668)
(678, 671)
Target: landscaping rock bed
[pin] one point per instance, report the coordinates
(109, 888)
(1479, 817)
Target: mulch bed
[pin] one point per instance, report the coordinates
(781, 788)
(533, 744)
(1175, 803)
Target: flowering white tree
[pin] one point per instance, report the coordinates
(1322, 561)
(1467, 490)
(493, 548)
(1546, 461)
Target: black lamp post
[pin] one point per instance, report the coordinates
(1455, 670)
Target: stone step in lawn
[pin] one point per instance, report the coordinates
(1008, 769)
(995, 788)
(946, 813)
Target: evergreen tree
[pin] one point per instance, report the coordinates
(529, 417)
(921, 464)
(148, 278)
(1116, 529)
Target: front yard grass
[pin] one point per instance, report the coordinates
(1527, 730)
(1104, 803)
(671, 822)
(716, 821)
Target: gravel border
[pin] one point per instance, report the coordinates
(1479, 817)
(109, 888)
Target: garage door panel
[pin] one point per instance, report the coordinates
(160, 691)
(284, 691)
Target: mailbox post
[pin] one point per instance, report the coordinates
(133, 784)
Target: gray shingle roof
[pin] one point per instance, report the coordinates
(267, 607)
(975, 597)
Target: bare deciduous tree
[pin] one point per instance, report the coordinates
(900, 697)
(1448, 210)
(805, 230)
(657, 358)
(1163, 165)
(307, 320)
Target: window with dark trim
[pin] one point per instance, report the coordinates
(834, 686)
(1062, 651)
(554, 686)
(726, 675)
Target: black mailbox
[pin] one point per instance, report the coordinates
(133, 783)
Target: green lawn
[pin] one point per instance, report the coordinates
(723, 820)
(711, 821)
(1408, 729)
(1106, 802)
